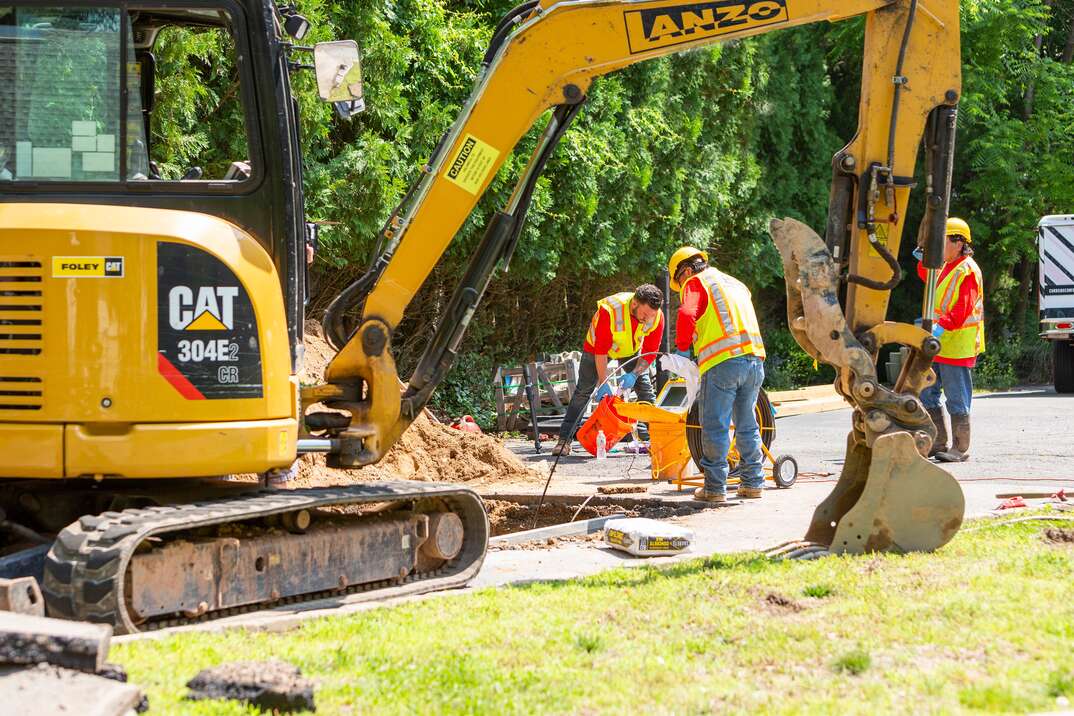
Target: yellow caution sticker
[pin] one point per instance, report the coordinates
(87, 267)
(471, 164)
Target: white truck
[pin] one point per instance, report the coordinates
(1055, 243)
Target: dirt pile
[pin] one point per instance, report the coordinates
(318, 353)
(428, 451)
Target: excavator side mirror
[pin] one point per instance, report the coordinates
(339, 75)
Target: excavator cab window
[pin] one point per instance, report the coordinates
(197, 120)
(60, 96)
(102, 94)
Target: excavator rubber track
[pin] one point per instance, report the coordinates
(86, 570)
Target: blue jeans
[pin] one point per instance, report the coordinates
(956, 381)
(729, 392)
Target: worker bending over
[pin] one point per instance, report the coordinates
(625, 325)
(716, 319)
(958, 321)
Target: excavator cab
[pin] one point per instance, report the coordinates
(151, 202)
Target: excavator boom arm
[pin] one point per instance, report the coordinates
(545, 55)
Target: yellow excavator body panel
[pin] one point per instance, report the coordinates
(138, 342)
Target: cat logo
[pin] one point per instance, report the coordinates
(211, 309)
(677, 24)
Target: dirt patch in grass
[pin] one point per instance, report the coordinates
(270, 685)
(1059, 535)
(780, 603)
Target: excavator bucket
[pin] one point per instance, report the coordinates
(888, 497)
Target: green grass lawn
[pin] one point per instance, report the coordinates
(985, 624)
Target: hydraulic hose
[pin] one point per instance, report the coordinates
(504, 28)
(899, 80)
(893, 264)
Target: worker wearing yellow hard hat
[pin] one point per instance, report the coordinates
(958, 321)
(717, 322)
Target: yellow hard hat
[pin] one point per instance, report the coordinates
(958, 227)
(686, 252)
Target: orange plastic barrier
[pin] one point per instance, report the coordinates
(607, 419)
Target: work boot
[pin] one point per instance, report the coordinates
(940, 443)
(562, 448)
(750, 493)
(960, 434)
(705, 496)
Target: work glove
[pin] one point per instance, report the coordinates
(604, 390)
(918, 254)
(937, 330)
(627, 381)
(684, 354)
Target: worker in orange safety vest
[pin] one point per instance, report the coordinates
(625, 325)
(958, 321)
(717, 321)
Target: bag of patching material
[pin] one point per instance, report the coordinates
(643, 537)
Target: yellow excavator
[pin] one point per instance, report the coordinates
(152, 312)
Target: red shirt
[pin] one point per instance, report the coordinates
(962, 309)
(603, 335)
(695, 299)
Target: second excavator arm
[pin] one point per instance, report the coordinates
(544, 56)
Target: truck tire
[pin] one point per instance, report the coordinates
(1063, 366)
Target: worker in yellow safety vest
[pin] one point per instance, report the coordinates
(717, 321)
(625, 325)
(958, 321)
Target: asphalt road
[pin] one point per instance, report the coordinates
(1020, 434)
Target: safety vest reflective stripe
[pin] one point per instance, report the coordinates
(967, 341)
(725, 345)
(948, 295)
(625, 342)
(728, 328)
(719, 300)
(618, 313)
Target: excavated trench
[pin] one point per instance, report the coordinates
(508, 516)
